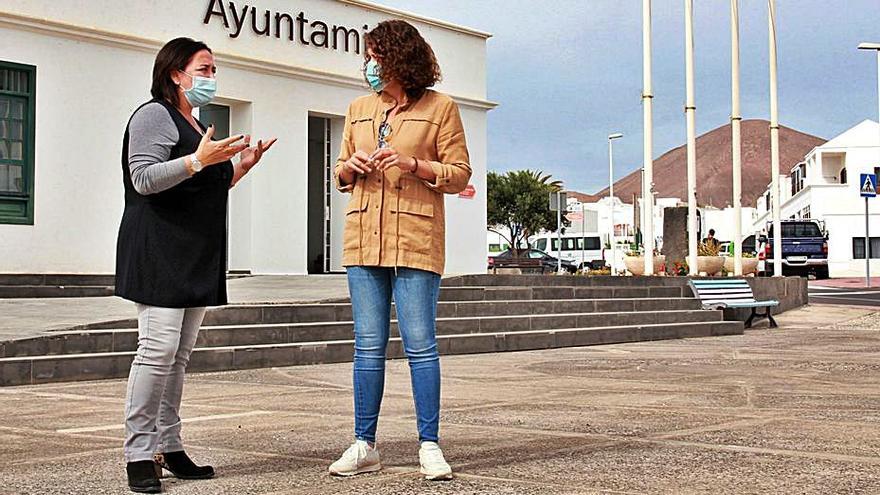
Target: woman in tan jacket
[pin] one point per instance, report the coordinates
(403, 148)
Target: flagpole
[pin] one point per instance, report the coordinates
(648, 159)
(690, 116)
(774, 146)
(736, 139)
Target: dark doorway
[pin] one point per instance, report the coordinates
(319, 195)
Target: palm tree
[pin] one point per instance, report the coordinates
(545, 179)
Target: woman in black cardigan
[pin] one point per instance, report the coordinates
(171, 251)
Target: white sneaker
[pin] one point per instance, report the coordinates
(433, 465)
(358, 459)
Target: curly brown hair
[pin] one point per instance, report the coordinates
(406, 56)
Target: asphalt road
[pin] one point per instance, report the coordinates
(852, 296)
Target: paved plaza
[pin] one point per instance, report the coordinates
(793, 410)
(24, 318)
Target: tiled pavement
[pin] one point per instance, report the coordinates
(793, 410)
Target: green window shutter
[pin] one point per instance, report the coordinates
(17, 140)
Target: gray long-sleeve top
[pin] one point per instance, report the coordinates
(151, 135)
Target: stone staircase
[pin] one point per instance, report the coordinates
(39, 286)
(477, 314)
(42, 286)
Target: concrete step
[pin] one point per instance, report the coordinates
(74, 367)
(124, 340)
(500, 293)
(302, 313)
(46, 291)
(56, 279)
(488, 280)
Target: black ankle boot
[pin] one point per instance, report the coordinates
(143, 477)
(183, 467)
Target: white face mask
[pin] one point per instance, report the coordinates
(373, 76)
(202, 91)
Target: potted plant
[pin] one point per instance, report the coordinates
(708, 260)
(749, 263)
(635, 262)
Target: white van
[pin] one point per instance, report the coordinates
(496, 244)
(582, 249)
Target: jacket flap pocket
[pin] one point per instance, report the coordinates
(355, 204)
(415, 207)
(357, 120)
(422, 118)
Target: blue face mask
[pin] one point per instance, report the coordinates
(202, 91)
(372, 75)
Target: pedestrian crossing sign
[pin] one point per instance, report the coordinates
(868, 185)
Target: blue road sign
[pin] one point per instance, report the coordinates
(868, 188)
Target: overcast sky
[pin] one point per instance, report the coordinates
(568, 73)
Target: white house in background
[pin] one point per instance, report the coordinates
(722, 221)
(599, 214)
(825, 186)
(496, 243)
(592, 215)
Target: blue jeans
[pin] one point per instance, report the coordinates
(415, 295)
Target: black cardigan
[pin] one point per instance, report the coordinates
(171, 250)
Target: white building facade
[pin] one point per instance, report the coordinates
(72, 72)
(723, 221)
(825, 186)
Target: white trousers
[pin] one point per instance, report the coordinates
(166, 337)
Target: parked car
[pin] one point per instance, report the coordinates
(804, 249)
(549, 263)
(577, 248)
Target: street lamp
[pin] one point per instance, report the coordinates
(876, 48)
(612, 137)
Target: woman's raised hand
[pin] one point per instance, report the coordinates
(212, 152)
(252, 154)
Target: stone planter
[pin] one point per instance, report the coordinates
(710, 265)
(750, 265)
(636, 264)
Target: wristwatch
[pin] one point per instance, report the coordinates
(197, 166)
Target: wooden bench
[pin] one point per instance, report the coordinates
(733, 294)
(532, 264)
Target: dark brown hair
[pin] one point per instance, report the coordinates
(406, 56)
(173, 56)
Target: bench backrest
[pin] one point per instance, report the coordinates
(524, 262)
(732, 290)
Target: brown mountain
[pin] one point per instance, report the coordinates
(714, 166)
(583, 197)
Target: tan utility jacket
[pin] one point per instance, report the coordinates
(394, 218)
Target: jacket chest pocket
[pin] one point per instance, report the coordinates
(362, 134)
(418, 134)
